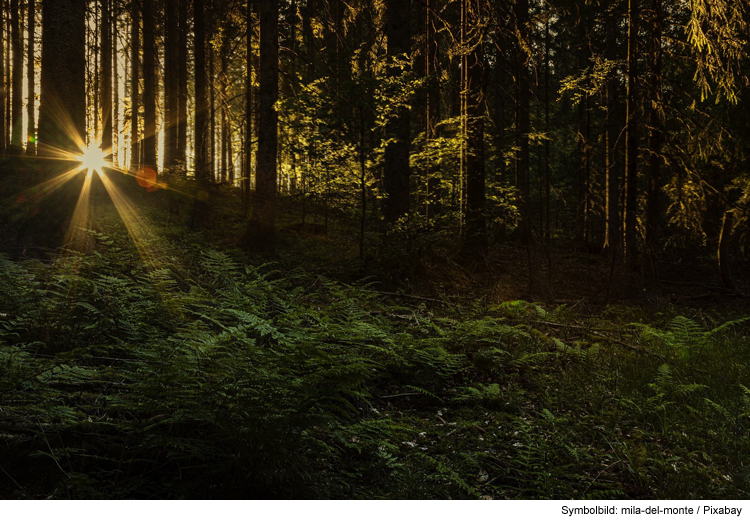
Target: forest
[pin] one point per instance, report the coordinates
(374, 249)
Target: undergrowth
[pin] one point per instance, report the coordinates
(181, 371)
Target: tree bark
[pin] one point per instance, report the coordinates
(106, 81)
(433, 106)
(3, 84)
(16, 139)
(724, 241)
(62, 117)
(171, 89)
(614, 156)
(182, 83)
(31, 107)
(260, 232)
(523, 125)
(476, 223)
(656, 134)
(396, 163)
(149, 86)
(135, 157)
(631, 188)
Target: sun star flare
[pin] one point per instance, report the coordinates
(92, 160)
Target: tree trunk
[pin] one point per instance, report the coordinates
(106, 81)
(16, 139)
(116, 89)
(248, 159)
(656, 133)
(614, 151)
(260, 232)
(724, 241)
(396, 163)
(3, 84)
(149, 86)
(476, 224)
(62, 116)
(201, 101)
(134, 91)
(30, 109)
(171, 89)
(433, 106)
(547, 184)
(182, 84)
(523, 125)
(631, 188)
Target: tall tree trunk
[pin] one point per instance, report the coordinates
(223, 88)
(16, 139)
(201, 101)
(171, 89)
(396, 164)
(182, 83)
(476, 224)
(631, 197)
(31, 77)
(8, 88)
(106, 80)
(134, 90)
(433, 106)
(523, 125)
(62, 111)
(3, 84)
(149, 86)
(62, 114)
(260, 233)
(248, 158)
(656, 132)
(614, 150)
(115, 88)
(547, 184)
(211, 112)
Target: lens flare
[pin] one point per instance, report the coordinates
(92, 159)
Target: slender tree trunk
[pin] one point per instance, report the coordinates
(547, 184)
(30, 76)
(614, 151)
(182, 80)
(106, 80)
(149, 86)
(631, 197)
(115, 88)
(134, 90)
(396, 164)
(476, 223)
(171, 89)
(211, 113)
(656, 132)
(523, 125)
(248, 159)
(16, 140)
(260, 232)
(724, 240)
(433, 106)
(8, 87)
(201, 101)
(3, 83)
(224, 65)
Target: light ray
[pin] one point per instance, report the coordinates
(76, 236)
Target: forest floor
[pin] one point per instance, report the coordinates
(164, 363)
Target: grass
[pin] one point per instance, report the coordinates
(192, 373)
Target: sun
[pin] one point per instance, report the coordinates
(92, 160)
